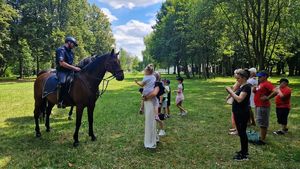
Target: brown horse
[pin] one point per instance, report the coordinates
(82, 92)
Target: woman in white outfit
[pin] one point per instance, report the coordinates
(150, 107)
(150, 124)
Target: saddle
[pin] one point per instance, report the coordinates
(51, 83)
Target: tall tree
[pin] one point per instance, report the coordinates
(257, 25)
(7, 16)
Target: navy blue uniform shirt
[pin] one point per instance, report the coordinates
(64, 54)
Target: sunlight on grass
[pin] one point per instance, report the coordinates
(199, 140)
(4, 161)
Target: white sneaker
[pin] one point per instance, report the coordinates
(184, 113)
(157, 138)
(162, 133)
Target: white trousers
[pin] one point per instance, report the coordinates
(150, 125)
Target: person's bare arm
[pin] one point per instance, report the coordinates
(152, 94)
(161, 99)
(239, 98)
(141, 84)
(234, 88)
(68, 66)
(273, 94)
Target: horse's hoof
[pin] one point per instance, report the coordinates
(75, 144)
(70, 118)
(38, 135)
(94, 138)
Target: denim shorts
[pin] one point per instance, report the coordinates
(262, 116)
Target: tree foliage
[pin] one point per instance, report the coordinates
(218, 36)
(42, 27)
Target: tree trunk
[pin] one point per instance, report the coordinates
(174, 72)
(186, 71)
(37, 65)
(207, 67)
(178, 70)
(21, 67)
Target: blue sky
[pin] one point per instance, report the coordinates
(131, 21)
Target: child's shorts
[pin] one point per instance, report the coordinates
(164, 104)
(282, 115)
(161, 116)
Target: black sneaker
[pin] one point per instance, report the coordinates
(260, 143)
(240, 152)
(240, 157)
(279, 132)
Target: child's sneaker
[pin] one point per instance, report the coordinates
(279, 132)
(233, 133)
(184, 113)
(156, 118)
(141, 111)
(162, 133)
(232, 130)
(260, 143)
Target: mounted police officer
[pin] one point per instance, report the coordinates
(64, 61)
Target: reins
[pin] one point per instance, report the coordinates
(104, 87)
(105, 81)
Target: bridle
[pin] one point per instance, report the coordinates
(105, 81)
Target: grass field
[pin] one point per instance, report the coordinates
(199, 140)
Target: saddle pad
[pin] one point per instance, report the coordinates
(50, 85)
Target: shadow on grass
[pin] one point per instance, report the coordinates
(20, 133)
(28, 120)
(199, 139)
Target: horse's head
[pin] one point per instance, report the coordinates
(113, 65)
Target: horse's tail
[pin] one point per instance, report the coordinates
(43, 109)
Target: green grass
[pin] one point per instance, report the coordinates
(199, 140)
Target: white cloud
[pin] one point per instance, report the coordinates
(109, 15)
(129, 3)
(131, 36)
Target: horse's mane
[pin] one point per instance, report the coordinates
(86, 61)
(92, 65)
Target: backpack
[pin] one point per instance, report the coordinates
(253, 136)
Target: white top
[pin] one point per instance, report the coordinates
(149, 82)
(253, 81)
(167, 90)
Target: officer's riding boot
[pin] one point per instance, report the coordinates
(60, 96)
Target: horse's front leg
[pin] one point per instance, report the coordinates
(79, 110)
(91, 121)
(70, 113)
(48, 113)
